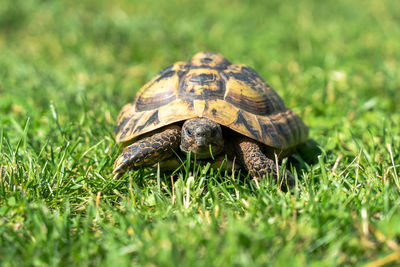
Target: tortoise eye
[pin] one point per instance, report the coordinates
(214, 132)
(188, 132)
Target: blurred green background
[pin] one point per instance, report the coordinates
(322, 55)
(66, 69)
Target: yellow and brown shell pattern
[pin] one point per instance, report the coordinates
(209, 86)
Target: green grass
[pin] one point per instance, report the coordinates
(66, 69)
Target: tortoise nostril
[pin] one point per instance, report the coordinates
(200, 134)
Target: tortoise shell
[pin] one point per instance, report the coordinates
(209, 86)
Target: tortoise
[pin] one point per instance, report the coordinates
(208, 107)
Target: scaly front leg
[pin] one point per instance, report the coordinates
(250, 155)
(149, 150)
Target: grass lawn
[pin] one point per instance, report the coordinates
(66, 69)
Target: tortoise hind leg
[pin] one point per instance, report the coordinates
(250, 155)
(149, 150)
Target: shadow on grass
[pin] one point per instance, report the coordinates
(305, 155)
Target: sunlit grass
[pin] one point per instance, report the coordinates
(67, 68)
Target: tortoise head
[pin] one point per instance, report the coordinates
(202, 137)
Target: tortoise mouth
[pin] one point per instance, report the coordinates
(203, 151)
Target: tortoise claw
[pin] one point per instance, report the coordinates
(120, 165)
(126, 160)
